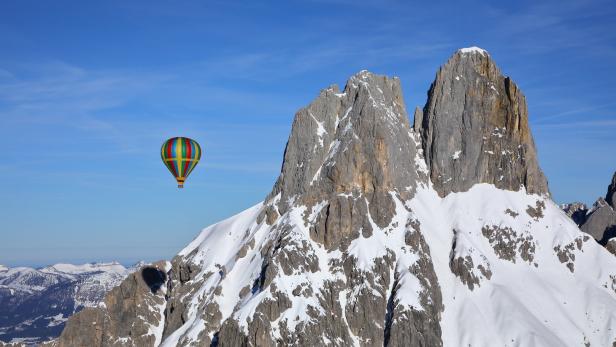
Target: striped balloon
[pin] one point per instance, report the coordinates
(180, 155)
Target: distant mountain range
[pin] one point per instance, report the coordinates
(35, 303)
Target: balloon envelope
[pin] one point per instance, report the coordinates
(180, 155)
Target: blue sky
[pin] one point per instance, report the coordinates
(88, 93)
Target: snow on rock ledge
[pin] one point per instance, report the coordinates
(473, 49)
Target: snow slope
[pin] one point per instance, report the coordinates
(530, 299)
(522, 304)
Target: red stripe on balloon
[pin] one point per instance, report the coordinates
(169, 145)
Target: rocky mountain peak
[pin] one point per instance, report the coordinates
(475, 129)
(350, 143)
(610, 197)
(355, 247)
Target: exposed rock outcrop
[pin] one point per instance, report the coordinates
(600, 220)
(475, 129)
(131, 315)
(349, 156)
(576, 211)
(610, 197)
(358, 141)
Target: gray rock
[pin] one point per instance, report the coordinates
(576, 211)
(611, 246)
(475, 128)
(348, 151)
(463, 266)
(416, 327)
(566, 253)
(355, 142)
(610, 197)
(127, 316)
(600, 222)
(417, 119)
(508, 244)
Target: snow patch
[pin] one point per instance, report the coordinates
(473, 49)
(320, 129)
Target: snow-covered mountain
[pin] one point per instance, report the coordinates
(35, 303)
(379, 233)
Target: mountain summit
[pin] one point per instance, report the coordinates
(474, 128)
(347, 145)
(363, 241)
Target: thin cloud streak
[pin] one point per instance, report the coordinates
(591, 123)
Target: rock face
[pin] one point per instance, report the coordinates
(610, 197)
(576, 211)
(475, 129)
(356, 246)
(600, 220)
(132, 313)
(357, 143)
(349, 157)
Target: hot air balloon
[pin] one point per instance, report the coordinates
(180, 155)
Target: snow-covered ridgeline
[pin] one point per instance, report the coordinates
(531, 302)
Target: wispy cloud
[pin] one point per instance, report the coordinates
(575, 124)
(585, 111)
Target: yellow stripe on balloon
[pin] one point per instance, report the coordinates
(197, 155)
(178, 155)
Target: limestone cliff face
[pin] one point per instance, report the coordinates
(475, 129)
(350, 154)
(350, 144)
(610, 197)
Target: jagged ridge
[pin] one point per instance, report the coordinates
(355, 246)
